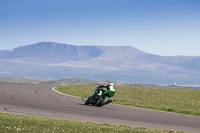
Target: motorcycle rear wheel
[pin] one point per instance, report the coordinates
(87, 102)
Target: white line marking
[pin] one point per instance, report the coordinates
(113, 103)
(65, 94)
(86, 99)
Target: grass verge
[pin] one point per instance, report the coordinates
(178, 100)
(10, 123)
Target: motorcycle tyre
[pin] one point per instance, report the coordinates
(104, 101)
(87, 102)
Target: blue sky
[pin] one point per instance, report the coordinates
(161, 27)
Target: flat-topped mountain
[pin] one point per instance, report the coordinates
(47, 52)
(122, 63)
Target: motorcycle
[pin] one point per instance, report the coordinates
(100, 98)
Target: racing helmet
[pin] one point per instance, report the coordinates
(111, 86)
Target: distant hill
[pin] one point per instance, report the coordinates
(119, 63)
(70, 81)
(48, 52)
(123, 58)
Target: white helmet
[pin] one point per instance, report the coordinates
(111, 84)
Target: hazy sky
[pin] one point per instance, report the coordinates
(162, 27)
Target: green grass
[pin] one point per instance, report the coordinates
(178, 100)
(31, 124)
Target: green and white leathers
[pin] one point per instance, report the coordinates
(101, 96)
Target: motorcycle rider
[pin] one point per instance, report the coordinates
(110, 86)
(101, 89)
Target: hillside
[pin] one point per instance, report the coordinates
(126, 58)
(119, 63)
(47, 52)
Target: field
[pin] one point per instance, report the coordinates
(31, 124)
(178, 100)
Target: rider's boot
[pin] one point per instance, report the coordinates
(110, 100)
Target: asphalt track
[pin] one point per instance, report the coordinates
(41, 100)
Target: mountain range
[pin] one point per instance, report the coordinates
(119, 63)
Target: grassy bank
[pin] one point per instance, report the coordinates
(30, 124)
(179, 100)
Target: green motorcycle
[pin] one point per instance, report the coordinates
(100, 98)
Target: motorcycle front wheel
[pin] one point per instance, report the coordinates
(102, 101)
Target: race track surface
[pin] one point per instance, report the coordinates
(41, 100)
